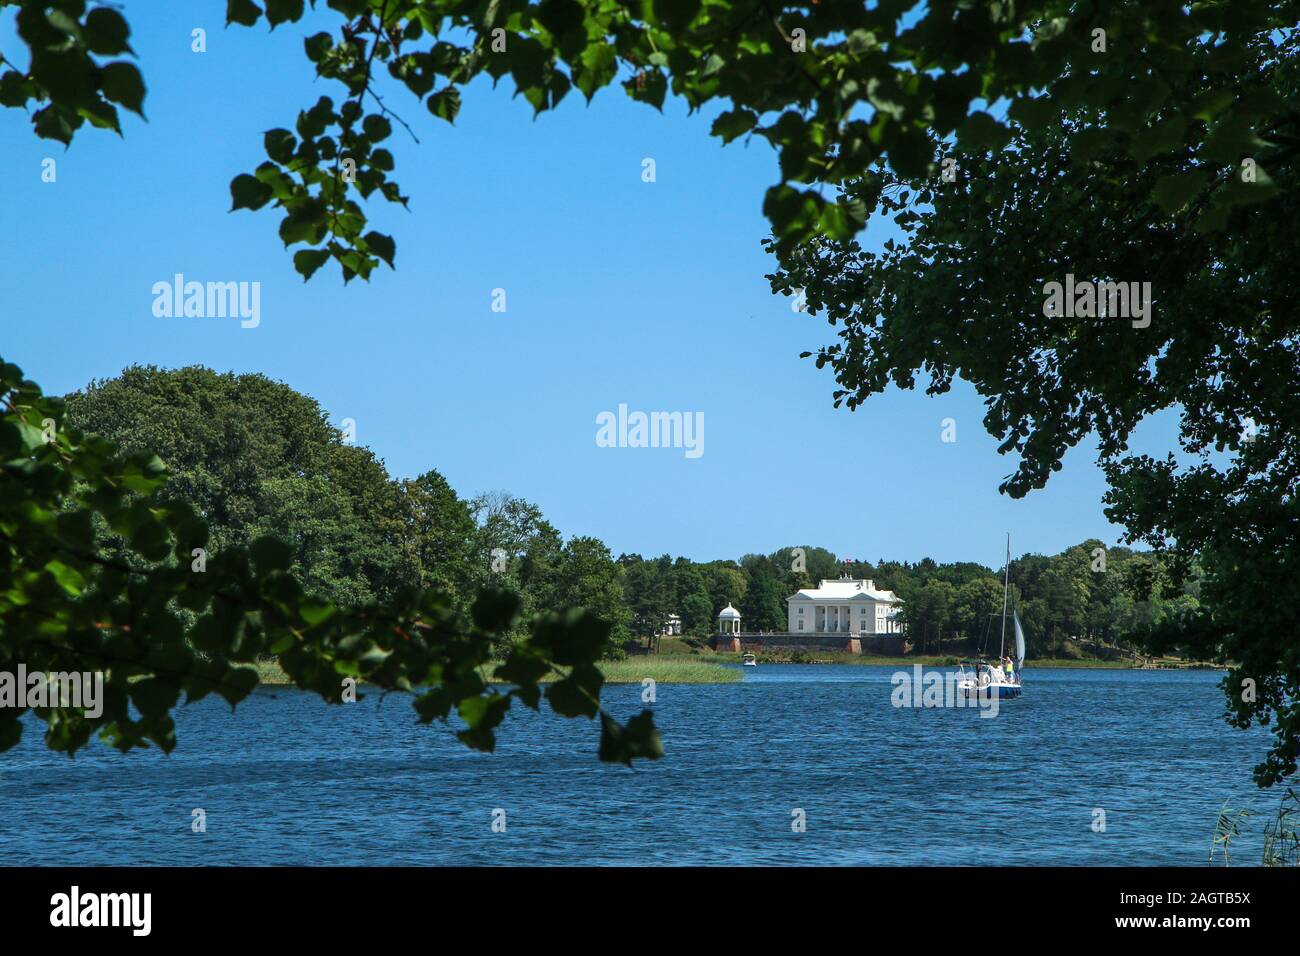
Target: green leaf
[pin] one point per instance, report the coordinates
(153, 697)
(14, 89)
(316, 612)
(1232, 139)
(122, 84)
(569, 698)
(317, 45)
(32, 437)
(1033, 112)
(307, 261)
(69, 578)
(53, 122)
(237, 684)
(281, 11)
(1209, 105)
(151, 540)
(734, 123)
(982, 132)
(673, 14)
(280, 144)
(382, 246)
(376, 128)
(106, 32)
(560, 17)
(1175, 191)
(599, 64)
(269, 554)
(247, 192)
(910, 152)
(623, 744)
(652, 89)
(1164, 137)
(243, 12)
(575, 637)
(522, 666)
(483, 714)
(495, 609)
(434, 704)
(445, 104)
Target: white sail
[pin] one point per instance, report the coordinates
(1020, 639)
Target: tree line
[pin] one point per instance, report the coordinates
(254, 457)
(1086, 599)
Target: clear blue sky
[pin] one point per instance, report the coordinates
(618, 291)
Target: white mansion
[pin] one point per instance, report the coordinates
(848, 606)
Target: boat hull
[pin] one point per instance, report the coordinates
(1002, 691)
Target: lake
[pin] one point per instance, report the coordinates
(288, 780)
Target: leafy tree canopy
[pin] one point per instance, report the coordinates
(967, 293)
(162, 618)
(836, 88)
(253, 456)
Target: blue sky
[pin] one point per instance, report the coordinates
(618, 291)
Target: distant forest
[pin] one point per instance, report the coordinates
(253, 456)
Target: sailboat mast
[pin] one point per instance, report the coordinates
(1006, 587)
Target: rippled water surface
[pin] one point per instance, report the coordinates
(288, 780)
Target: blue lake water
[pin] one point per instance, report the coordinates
(288, 780)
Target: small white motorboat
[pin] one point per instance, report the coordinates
(749, 660)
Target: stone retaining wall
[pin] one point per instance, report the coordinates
(759, 643)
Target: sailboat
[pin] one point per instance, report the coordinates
(987, 679)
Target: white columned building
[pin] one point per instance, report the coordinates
(849, 606)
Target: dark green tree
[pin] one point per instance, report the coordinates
(255, 457)
(836, 88)
(1188, 202)
(440, 539)
(588, 576)
(159, 618)
(763, 608)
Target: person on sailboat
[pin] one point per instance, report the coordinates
(1009, 668)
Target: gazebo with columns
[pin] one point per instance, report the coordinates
(728, 629)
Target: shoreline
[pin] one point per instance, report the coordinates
(720, 669)
(934, 660)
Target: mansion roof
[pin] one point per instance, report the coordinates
(845, 589)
